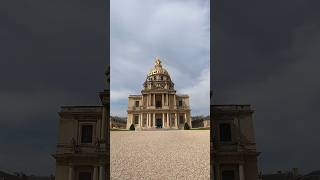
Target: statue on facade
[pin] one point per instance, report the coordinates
(107, 78)
(74, 145)
(97, 144)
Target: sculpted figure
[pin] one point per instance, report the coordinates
(74, 145)
(97, 144)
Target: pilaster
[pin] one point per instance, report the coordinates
(241, 172)
(176, 120)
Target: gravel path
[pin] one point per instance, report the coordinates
(160, 154)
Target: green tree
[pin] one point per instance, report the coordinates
(132, 128)
(186, 126)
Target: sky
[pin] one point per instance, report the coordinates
(176, 31)
(266, 53)
(52, 53)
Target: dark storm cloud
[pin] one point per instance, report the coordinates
(267, 54)
(53, 53)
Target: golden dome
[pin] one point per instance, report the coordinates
(158, 69)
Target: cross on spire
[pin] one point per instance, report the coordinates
(158, 62)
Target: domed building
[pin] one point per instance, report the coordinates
(158, 106)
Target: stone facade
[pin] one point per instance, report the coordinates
(201, 122)
(234, 154)
(158, 106)
(83, 142)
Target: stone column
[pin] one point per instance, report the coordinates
(168, 120)
(141, 115)
(150, 119)
(241, 172)
(71, 172)
(154, 119)
(176, 120)
(167, 97)
(140, 120)
(185, 118)
(147, 100)
(154, 99)
(163, 122)
(101, 173)
(95, 173)
(147, 119)
(174, 101)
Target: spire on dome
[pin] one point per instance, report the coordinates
(158, 69)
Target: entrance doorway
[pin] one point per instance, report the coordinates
(228, 175)
(158, 123)
(85, 176)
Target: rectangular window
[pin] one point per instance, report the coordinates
(225, 132)
(86, 134)
(180, 103)
(158, 104)
(137, 103)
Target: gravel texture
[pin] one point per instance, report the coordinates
(176, 154)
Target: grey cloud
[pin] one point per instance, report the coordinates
(267, 55)
(53, 53)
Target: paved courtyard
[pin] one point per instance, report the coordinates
(176, 154)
